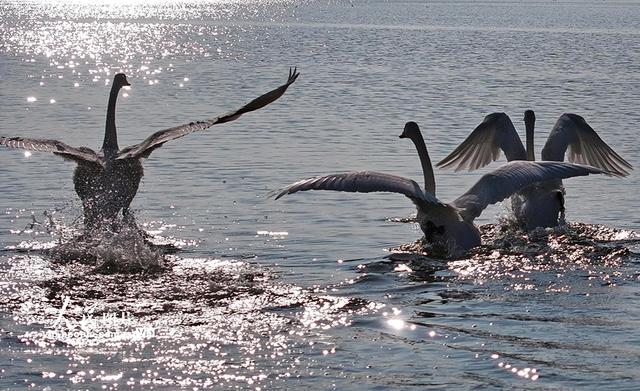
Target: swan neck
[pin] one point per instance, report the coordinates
(110, 143)
(529, 126)
(425, 161)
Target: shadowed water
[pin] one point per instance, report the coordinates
(318, 289)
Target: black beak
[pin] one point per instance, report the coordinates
(402, 136)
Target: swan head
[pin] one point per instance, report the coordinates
(411, 130)
(120, 80)
(529, 116)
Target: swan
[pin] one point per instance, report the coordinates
(542, 204)
(449, 226)
(107, 181)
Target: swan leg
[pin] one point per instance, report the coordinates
(561, 219)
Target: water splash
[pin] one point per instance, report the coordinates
(119, 247)
(126, 250)
(510, 252)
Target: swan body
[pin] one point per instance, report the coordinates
(541, 204)
(446, 225)
(107, 181)
(107, 190)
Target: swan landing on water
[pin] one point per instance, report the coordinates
(107, 181)
(448, 226)
(542, 204)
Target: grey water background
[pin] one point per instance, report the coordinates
(367, 68)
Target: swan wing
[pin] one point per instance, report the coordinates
(157, 139)
(363, 182)
(496, 132)
(81, 154)
(571, 132)
(512, 177)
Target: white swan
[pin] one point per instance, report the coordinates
(542, 204)
(107, 181)
(447, 225)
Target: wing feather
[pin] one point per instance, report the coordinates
(572, 135)
(81, 154)
(363, 182)
(512, 177)
(483, 145)
(157, 139)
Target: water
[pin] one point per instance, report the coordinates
(301, 291)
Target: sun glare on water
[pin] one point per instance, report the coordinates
(138, 2)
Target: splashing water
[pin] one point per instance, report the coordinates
(118, 247)
(122, 251)
(507, 249)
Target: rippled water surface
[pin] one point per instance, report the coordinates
(323, 290)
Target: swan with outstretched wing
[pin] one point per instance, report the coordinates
(542, 204)
(449, 225)
(108, 180)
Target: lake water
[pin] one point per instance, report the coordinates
(303, 292)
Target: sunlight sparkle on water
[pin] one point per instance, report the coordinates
(98, 47)
(397, 324)
(403, 267)
(272, 233)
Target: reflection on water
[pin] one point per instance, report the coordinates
(264, 295)
(203, 322)
(200, 323)
(91, 41)
(541, 281)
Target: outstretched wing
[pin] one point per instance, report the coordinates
(495, 133)
(157, 139)
(363, 182)
(572, 132)
(81, 154)
(512, 177)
